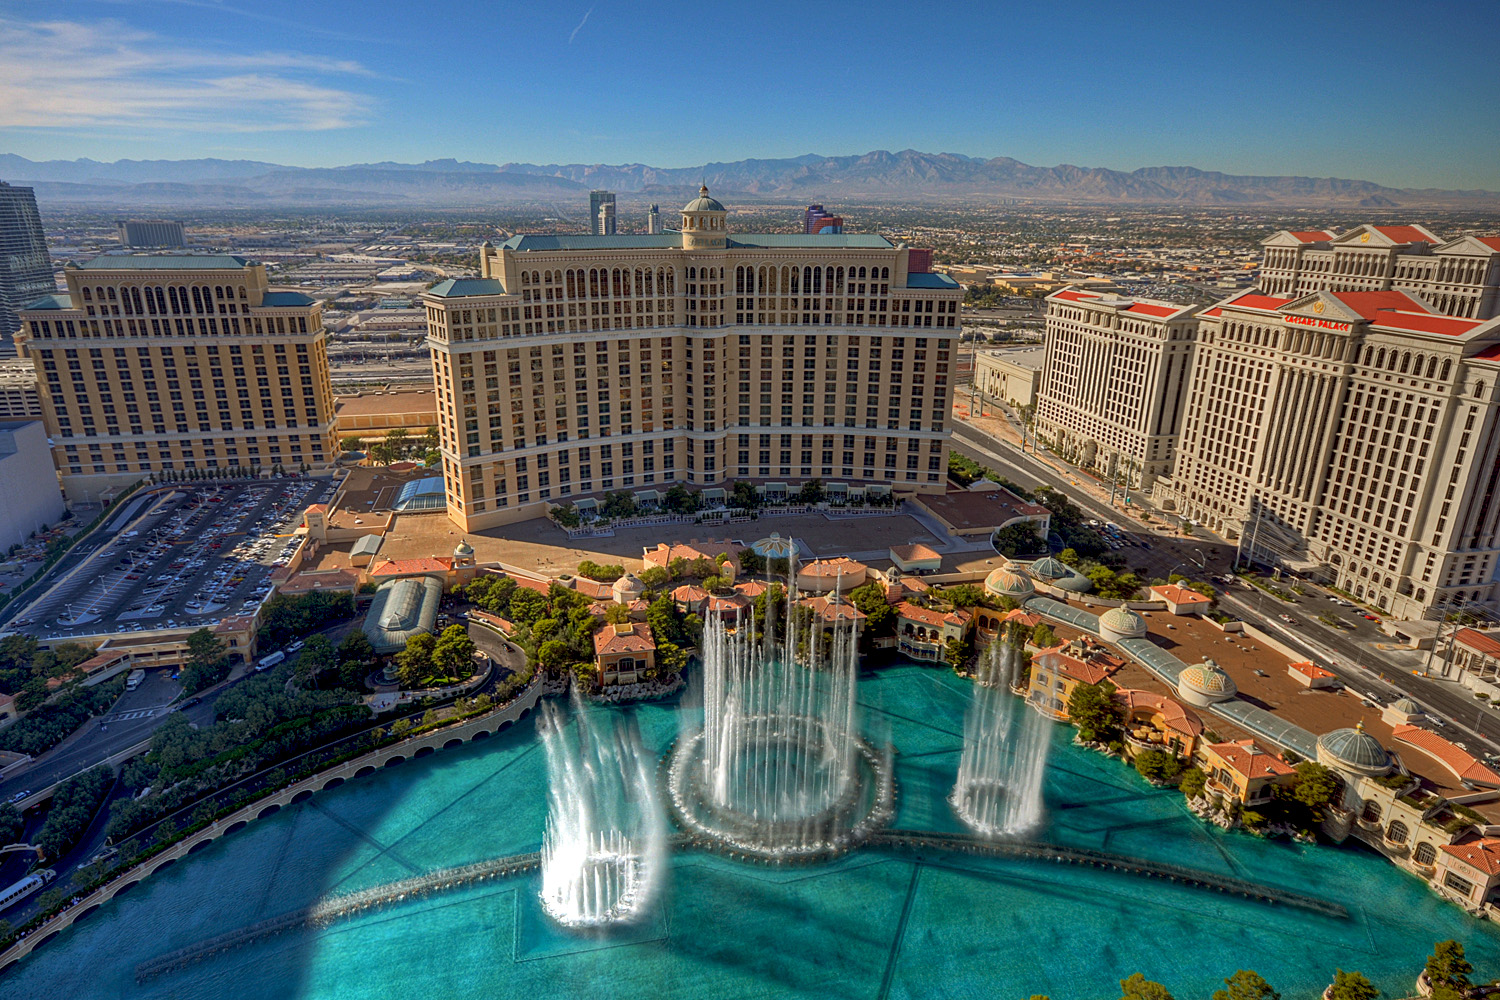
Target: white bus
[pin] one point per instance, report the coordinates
(267, 662)
(28, 885)
(134, 680)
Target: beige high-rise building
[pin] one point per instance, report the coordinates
(1354, 435)
(1457, 277)
(578, 365)
(178, 362)
(1114, 378)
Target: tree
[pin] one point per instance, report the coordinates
(351, 443)
(453, 654)
(1042, 637)
(965, 595)
(752, 563)
(1351, 986)
(317, 662)
(355, 657)
(1316, 785)
(617, 614)
(1153, 765)
(1094, 711)
(1019, 539)
(676, 499)
(1446, 966)
(553, 654)
(207, 664)
(654, 577)
(1246, 985)
(743, 496)
(414, 663)
(1193, 782)
(526, 606)
(1138, 987)
(11, 824)
(811, 492)
(606, 573)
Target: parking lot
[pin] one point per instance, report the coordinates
(190, 558)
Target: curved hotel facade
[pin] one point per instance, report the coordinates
(576, 365)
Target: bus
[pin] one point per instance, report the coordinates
(134, 680)
(267, 662)
(28, 885)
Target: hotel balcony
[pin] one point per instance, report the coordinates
(919, 650)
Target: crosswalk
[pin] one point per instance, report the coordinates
(140, 713)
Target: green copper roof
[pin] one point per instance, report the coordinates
(455, 287)
(59, 301)
(283, 299)
(930, 281)
(166, 262)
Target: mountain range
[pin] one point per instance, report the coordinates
(878, 176)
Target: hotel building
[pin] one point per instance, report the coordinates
(178, 362)
(1459, 277)
(1114, 377)
(1350, 434)
(581, 364)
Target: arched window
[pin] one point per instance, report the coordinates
(885, 274)
(197, 300)
(1425, 853)
(1380, 358)
(1397, 832)
(1479, 389)
(1405, 362)
(1371, 812)
(525, 277)
(1446, 369)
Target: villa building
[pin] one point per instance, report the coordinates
(1245, 771)
(579, 364)
(1056, 673)
(623, 653)
(924, 633)
(175, 362)
(1114, 382)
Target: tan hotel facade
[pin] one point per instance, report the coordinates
(149, 363)
(576, 365)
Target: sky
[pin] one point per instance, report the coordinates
(1403, 94)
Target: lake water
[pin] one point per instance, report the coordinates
(870, 925)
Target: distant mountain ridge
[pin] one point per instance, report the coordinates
(880, 175)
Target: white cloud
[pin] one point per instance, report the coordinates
(65, 74)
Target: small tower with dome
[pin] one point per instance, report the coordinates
(627, 588)
(704, 223)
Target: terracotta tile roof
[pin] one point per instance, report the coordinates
(830, 610)
(1072, 296)
(1307, 669)
(1493, 242)
(726, 604)
(1483, 853)
(689, 593)
(593, 588)
(1149, 309)
(317, 508)
(1079, 670)
(412, 567)
(928, 616)
(1254, 300)
(750, 588)
(831, 568)
(663, 554)
(1479, 642)
(1371, 304)
(630, 637)
(1454, 758)
(909, 553)
(1250, 760)
(1174, 715)
(1215, 312)
(1173, 594)
(1310, 235)
(303, 583)
(1028, 618)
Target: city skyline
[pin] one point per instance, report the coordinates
(183, 80)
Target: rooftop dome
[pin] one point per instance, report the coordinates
(630, 582)
(1048, 569)
(1406, 705)
(1011, 581)
(463, 549)
(1204, 683)
(774, 547)
(1123, 622)
(703, 203)
(1353, 750)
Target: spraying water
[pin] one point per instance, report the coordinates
(1004, 761)
(603, 852)
(778, 771)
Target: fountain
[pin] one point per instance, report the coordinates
(777, 772)
(603, 851)
(1004, 760)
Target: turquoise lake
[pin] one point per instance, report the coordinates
(869, 925)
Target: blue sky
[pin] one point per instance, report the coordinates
(1399, 93)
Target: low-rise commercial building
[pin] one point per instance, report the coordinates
(1012, 375)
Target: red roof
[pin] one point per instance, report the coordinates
(1153, 310)
(831, 609)
(1308, 669)
(1310, 235)
(1173, 594)
(928, 616)
(751, 588)
(1459, 761)
(1483, 854)
(412, 567)
(833, 568)
(1493, 242)
(1173, 715)
(1369, 304)
(1491, 353)
(317, 508)
(689, 593)
(1479, 642)
(1254, 300)
(1084, 672)
(1404, 234)
(1214, 312)
(1448, 326)
(1072, 296)
(1250, 760)
(593, 588)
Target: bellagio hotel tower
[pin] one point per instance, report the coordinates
(577, 365)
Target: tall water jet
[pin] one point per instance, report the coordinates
(1004, 761)
(604, 848)
(778, 770)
